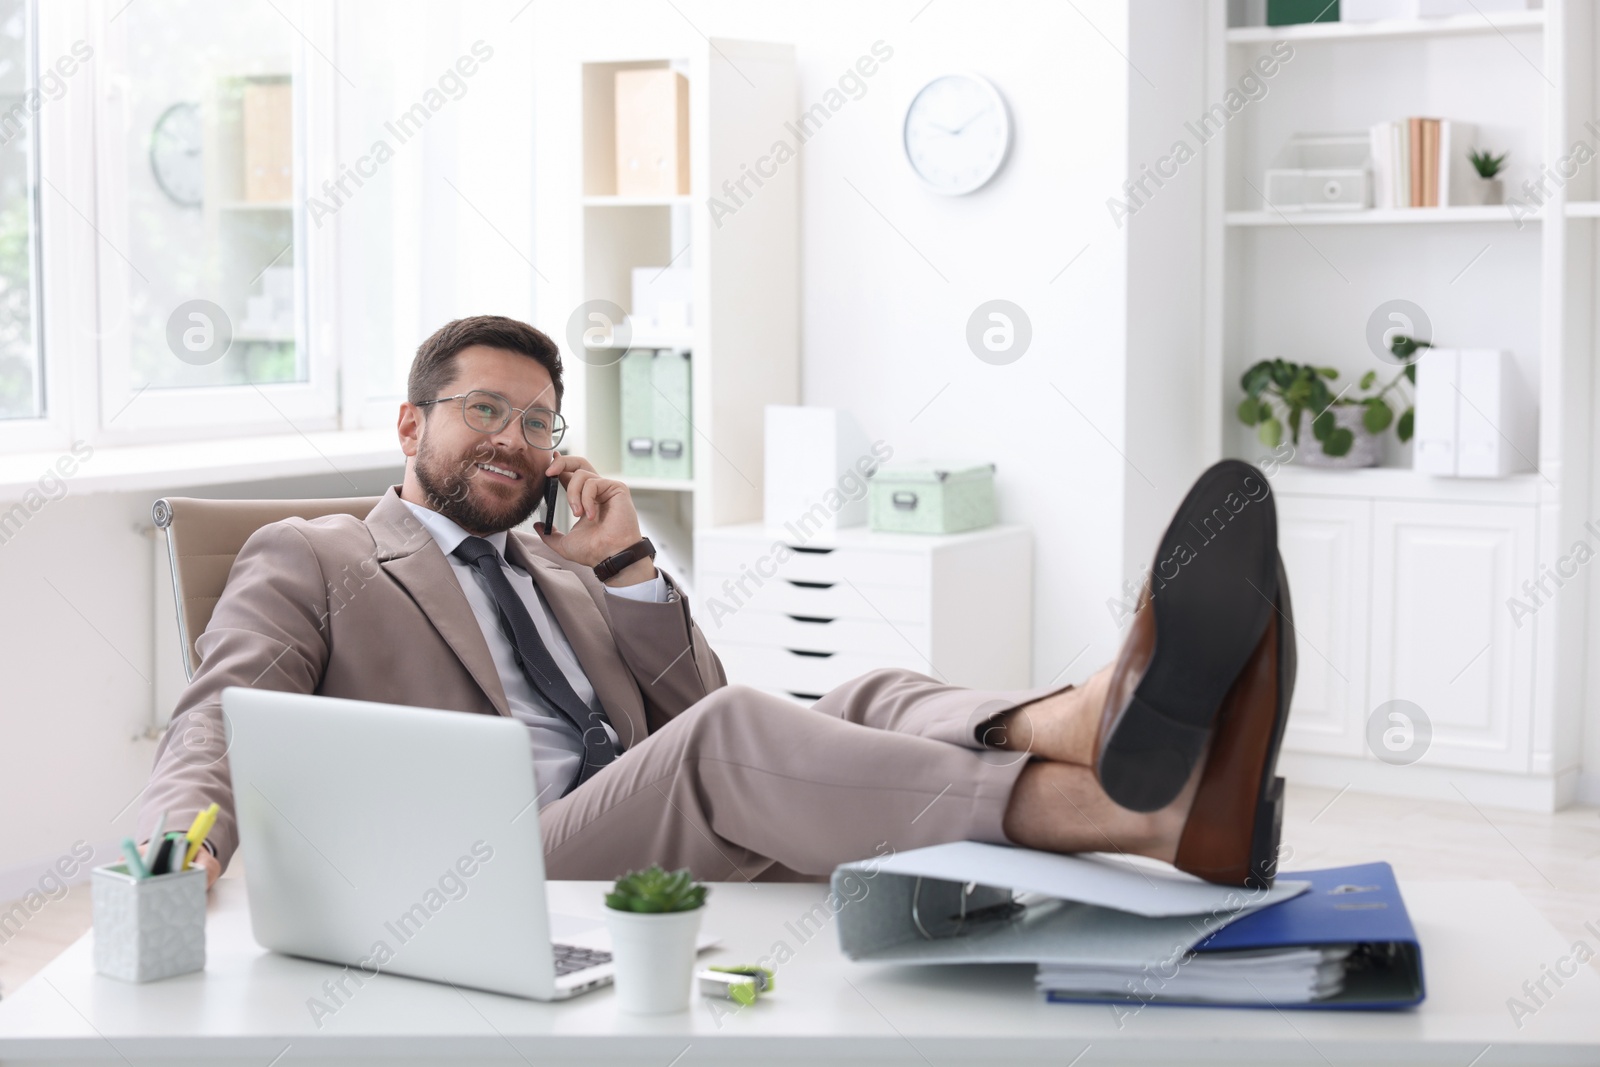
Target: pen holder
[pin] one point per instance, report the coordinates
(148, 928)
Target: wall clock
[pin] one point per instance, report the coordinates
(175, 154)
(956, 133)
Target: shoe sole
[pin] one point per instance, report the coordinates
(1209, 616)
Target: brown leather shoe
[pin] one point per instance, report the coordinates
(1204, 610)
(1232, 833)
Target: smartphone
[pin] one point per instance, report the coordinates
(550, 487)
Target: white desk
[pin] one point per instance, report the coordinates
(1481, 941)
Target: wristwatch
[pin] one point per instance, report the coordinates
(611, 566)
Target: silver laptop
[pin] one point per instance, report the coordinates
(401, 840)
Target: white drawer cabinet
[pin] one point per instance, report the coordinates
(799, 618)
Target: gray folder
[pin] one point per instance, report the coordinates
(971, 902)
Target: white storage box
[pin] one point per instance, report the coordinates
(1321, 172)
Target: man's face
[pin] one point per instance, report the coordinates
(449, 463)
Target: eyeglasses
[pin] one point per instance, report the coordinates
(489, 412)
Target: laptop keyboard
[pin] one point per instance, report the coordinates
(571, 958)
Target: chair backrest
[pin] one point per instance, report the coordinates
(204, 536)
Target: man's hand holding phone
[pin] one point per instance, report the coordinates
(606, 520)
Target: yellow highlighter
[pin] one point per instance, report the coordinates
(197, 833)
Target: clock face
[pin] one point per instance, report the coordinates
(175, 154)
(956, 134)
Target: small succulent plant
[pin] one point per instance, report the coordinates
(654, 890)
(1487, 164)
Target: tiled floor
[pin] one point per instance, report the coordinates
(1553, 859)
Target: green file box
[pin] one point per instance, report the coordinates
(923, 498)
(638, 414)
(1294, 12)
(674, 429)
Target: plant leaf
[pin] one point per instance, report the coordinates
(1407, 424)
(1368, 378)
(1378, 415)
(1323, 426)
(1411, 373)
(1270, 433)
(1249, 411)
(1327, 372)
(1338, 442)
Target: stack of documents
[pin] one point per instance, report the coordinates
(1248, 976)
(1111, 929)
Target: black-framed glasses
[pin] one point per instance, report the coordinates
(489, 412)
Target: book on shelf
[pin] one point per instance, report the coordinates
(1421, 162)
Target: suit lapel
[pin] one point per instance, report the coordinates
(588, 631)
(410, 555)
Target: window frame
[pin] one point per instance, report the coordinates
(48, 430)
(126, 415)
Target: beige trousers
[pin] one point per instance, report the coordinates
(744, 784)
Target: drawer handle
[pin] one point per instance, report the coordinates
(811, 653)
(803, 696)
(814, 551)
(810, 585)
(809, 618)
(641, 446)
(670, 449)
(905, 500)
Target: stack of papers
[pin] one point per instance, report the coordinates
(1251, 976)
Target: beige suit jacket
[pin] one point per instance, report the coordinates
(370, 610)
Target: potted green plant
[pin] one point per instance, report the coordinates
(654, 918)
(1492, 189)
(1347, 428)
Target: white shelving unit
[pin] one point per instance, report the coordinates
(1402, 581)
(744, 341)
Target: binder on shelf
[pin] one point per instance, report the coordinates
(637, 414)
(670, 395)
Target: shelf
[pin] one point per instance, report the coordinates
(1455, 25)
(1583, 209)
(635, 201)
(1403, 483)
(1494, 213)
(664, 485)
(256, 205)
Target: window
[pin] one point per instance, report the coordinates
(22, 394)
(204, 145)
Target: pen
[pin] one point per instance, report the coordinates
(203, 822)
(155, 841)
(135, 865)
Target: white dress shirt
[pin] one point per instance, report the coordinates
(557, 745)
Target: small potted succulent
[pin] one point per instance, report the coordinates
(1492, 190)
(1346, 428)
(654, 918)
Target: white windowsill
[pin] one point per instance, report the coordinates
(206, 462)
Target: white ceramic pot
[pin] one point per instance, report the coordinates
(653, 959)
(1364, 451)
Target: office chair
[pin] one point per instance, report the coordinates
(204, 536)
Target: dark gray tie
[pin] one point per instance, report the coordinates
(538, 664)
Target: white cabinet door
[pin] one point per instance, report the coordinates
(1442, 636)
(1325, 546)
